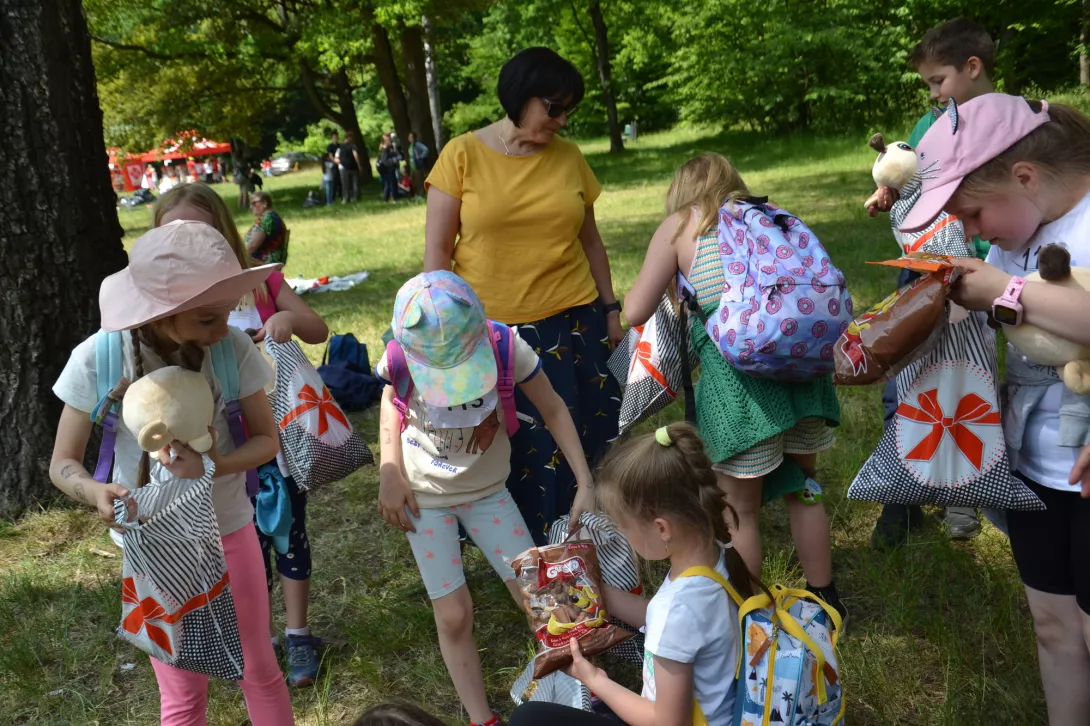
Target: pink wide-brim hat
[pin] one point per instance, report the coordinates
(174, 268)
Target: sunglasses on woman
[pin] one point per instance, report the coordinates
(555, 108)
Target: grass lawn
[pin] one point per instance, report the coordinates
(940, 632)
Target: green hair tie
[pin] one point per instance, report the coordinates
(662, 435)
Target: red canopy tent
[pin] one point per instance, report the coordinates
(126, 170)
(185, 146)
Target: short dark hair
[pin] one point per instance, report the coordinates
(953, 43)
(537, 73)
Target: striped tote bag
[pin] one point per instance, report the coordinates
(176, 602)
(648, 365)
(945, 445)
(316, 438)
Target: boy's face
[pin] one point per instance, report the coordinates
(946, 82)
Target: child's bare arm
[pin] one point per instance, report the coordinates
(659, 267)
(630, 608)
(394, 493)
(305, 323)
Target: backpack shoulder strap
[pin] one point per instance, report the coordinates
(109, 369)
(503, 346)
(225, 366)
(400, 378)
(702, 571)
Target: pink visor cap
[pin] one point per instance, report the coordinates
(961, 141)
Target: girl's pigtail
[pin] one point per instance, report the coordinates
(714, 502)
(143, 471)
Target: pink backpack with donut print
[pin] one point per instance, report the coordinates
(783, 305)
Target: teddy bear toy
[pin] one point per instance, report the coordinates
(1054, 268)
(169, 404)
(895, 166)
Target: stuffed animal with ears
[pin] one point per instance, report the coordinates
(1054, 268)
(895, 166)
(170, 404)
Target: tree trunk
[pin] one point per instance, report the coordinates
(350, 122)
(416, 83)
(1084, 39)
(433, 83)
(601, 42)
(391, 84)
(59, 234)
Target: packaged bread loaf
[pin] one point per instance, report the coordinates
(901, 328)
(561, 588)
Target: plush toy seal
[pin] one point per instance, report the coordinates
(895, 166)
(170, 404)
(1054, 268)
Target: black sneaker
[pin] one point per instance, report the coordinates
(893, 525)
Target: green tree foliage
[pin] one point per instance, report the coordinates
(239, 67)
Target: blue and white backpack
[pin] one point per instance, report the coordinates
(787, 671)
(783, 305)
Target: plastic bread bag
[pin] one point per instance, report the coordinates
(901, 328)
(561, 587)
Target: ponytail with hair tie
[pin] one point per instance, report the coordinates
(662, 435)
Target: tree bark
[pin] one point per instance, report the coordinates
(345, 113)
(391, 84)
(1084, 39)
(433, 83)
(416, 83)
(59, 234)
(601, 42)
(350, 122)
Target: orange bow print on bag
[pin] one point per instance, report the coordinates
(327, 407)
(971, 410)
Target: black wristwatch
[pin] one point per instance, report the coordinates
(613, 307)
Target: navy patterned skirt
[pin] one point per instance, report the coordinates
(573, 347)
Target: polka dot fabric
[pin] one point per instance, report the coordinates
(945, 445)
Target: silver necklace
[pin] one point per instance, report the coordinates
(506, 150)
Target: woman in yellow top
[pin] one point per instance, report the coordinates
(511, 210)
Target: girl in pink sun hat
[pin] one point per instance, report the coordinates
(1017, 173)
(172, 304)
(447, 413)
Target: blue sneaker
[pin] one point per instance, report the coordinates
(303, 660)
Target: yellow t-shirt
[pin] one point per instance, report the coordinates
(518, 244)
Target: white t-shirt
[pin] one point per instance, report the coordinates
(694, 620)
(451, 466)
(77, 388)
(1042, 459)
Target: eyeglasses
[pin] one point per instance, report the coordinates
(555, 109)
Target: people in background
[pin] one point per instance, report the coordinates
(331, 149)
(266, 239)
(387, 165)
(419, 162)
(348, 159)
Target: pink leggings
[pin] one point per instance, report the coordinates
(184, 695)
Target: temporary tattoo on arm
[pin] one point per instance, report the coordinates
(78, 492)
